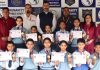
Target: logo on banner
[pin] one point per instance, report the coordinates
(87, 2)
(85, 12)
(16, 2)
(69, 2)
(99, 14)
(33, 2)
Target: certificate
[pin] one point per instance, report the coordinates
(63, 36)
(79, 59)
(5, 56)
(51, 36)
(57, 56)
(77, 34)
(25, 53)
(32, 36)
(39, 58)
(15, 33)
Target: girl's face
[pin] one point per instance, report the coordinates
(19, 22)
(63, 47)
(62, 25)
(47, 29)
(10, 47)
(47, 44)
(34, 30)
(76, 23)
(81, 46)
(88, 19)
(97, 49)
(30, 45)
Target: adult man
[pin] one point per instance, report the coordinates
(45, 18)
(29, 20)
(6, 23)
(67, 18)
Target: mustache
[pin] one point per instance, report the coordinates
(28, 11)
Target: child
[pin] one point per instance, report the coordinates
(95, 58)
(48, 29)
(98, 33)
(37, 43)
(47, 50)
(76, 28)
(80, 51)
(11, 64)
(28, 63)
(19, 42)
(67, 59)
(62, 30)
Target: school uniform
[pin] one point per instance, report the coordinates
(19, 42)
(96, 66)
(83, 66)
(28, 63)
(57, 33)
(64, 65)
(46, 66)
(74, 41)
(10, 65)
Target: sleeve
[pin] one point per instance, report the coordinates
(38, 25)
(54, 22)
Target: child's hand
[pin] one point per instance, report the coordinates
(22, 60)
(9, 38)
(13, 57)
(78, 65)
(40, 63)
(39, 37)
(69, 59)
(56, 63)
(4, 38)
(71, 37)
(99, 36)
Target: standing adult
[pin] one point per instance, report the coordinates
(45, 18)
(66, 18)
(6, 23)
(90, 29)
(29, 19)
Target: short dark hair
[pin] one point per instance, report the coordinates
(19, 17)
(45, 1)
(77, 19)
(34, 27)
(29, 40)
(5, 8)
(63, 41)
(96, 43)
(47, 39)
(10, 42)
(81, 40)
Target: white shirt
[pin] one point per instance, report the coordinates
(28, 22)
(54, 22)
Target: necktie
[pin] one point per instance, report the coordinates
(10, 63)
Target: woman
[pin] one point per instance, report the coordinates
(89, 27)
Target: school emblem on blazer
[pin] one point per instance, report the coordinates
(86, 11)
(87, 2)
(16, 2)
(69, 2)
(33, 2)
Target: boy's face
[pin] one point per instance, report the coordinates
(47, 28)
(30, 45)
(97, 48)
(62, 25)
(19, 22)
(63, 47)
(76, 23)
(47, 44)
(81, 46)
(10, 47)
(34, 30)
